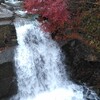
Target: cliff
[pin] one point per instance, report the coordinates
(8, 84)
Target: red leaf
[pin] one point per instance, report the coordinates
(54, 11)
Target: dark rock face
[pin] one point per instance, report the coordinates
(7, 55)
(7, 35)
(1, 1)
(84, 66)
(77, 50)
(8, 83)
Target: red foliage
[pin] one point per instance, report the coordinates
(54, 16)
(54, 13)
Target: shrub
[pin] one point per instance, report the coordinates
(53, 14)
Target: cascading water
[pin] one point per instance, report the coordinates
(40, 72)
(13, 2)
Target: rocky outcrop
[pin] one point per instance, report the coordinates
(8, 84)
(7, 29)
(84, 64)
(7, 36)
(7, 55)
(1, 1)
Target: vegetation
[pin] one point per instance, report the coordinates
(69, 19)
(52, 13)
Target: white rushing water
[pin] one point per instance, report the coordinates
(13, 2)
(40, 72)
(10, 1)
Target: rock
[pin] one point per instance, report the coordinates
(1, 1)
(77, 50)
(84, 65)
(6, 16)
(7, 36)
(7, 55)
(7, 6)
(7, 28)
(8, 84)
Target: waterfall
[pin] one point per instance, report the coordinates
(13, 2)
(39, 68)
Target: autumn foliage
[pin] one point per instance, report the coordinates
(53, 13)
(59, 16)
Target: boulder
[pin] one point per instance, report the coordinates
(83, 64)
(7, 36)
(1, 1)
(8, 83)
(7, 55)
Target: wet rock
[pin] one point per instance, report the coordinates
(75, 50)
(7, 6)
(7, 36)
(7, 28)
(6, 16)
(1, 1)
(84, 65)
(7, 55)
(8, 84)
